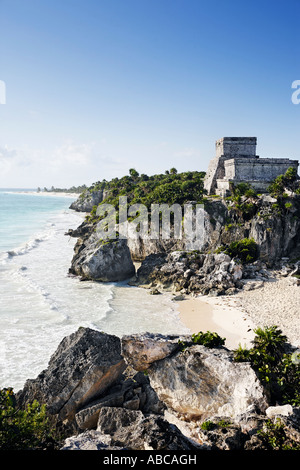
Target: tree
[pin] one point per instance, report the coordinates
(133, 173)
(282, 182)
(22, 429)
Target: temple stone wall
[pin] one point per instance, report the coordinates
(236, 161)
(265, 169)
(236, 146)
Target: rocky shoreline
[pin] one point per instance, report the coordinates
(266, 288)
(167, 393)
(147, 392)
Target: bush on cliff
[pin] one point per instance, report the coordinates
(169, 188)
(283, 182)
(208, 339)
(22, 429)
(246, 250)
(278, 370)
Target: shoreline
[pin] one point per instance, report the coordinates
(223, 315)
(275, 303)
(43, 193)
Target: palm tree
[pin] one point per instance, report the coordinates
(270, 339)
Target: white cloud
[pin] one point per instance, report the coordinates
(72, 154)
(66, 165)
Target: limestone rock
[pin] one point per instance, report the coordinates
(130, 392)
(222, 435)
(200, 382)
(87, 200)
(89, 440)
(284, 410)
(141, 350)
(135, 431)
(84, 365)
(190, 272)
(103, 261)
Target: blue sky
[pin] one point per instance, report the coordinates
(95, 87)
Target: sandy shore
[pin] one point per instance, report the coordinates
(235, 317)
(276, 303)
(222, 315)
(49, 193)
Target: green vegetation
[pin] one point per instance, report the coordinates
(283, 182)
(73, 189)
(209, 425)
(169, 188)
(208, 339)
(27, 429)
(277, 369)
(246, 250)
(244, 189)
(243, 197)
(274, 436)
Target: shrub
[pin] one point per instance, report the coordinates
(277, 370)
(244, 189)
(207, 425)
(208, 339)
(22, 429)
(246, 250)
(275, 438)
(282, 182)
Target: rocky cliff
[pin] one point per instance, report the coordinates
(272, 224)
(148, 392)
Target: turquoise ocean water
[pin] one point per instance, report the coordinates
(40, 303)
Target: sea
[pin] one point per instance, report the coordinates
(40, 303)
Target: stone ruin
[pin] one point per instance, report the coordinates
(236, 162)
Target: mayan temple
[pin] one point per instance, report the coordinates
(236, 161)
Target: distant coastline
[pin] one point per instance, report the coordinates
(34, 192)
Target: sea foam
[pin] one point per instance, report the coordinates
(40, 303)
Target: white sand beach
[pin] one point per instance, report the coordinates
(222, 315)
(276, 303)
(235, 317)
(47, 193)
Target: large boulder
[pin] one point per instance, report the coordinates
(119, 429)
(190, 272)
(106, 261)
(196, 382)
(84, 366)
(136, 431)
(132, 391)
(87, 200)
(141, 350)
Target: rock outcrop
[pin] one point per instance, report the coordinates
(147, 392)
(197, 382)
(194, 272)
(88, 200)
(119, 428)
(84, 366)
(98, 260)
(273, 225)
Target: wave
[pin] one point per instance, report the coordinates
(50, 229)
(28, 246)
